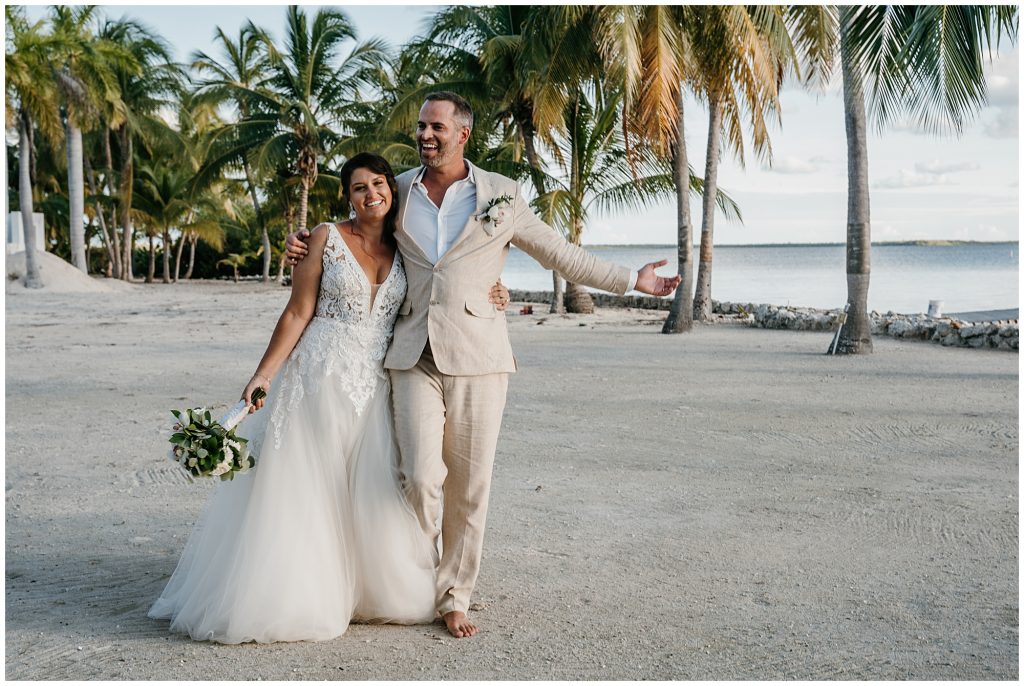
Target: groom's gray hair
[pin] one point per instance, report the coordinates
(463, 110)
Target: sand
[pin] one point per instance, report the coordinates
(57, 276)
(726, 504)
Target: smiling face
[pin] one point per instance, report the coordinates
(369, 195)
(440, 138)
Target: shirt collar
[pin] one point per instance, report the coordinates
(469, 180)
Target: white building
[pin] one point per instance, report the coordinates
(16, 237)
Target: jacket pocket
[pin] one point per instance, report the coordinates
(405, 308)
(484, 310)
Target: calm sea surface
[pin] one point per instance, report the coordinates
(903, 277)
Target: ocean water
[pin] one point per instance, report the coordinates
(976, 276)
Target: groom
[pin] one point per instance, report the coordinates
(451, 356)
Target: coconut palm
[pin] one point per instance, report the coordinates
(647, 49)
(596, 174)
(740, 54)
(236, 261)
(145, 87)
(31, 101)
(234, 80)
(162, 197)
(520, 65)
(307, 92)
(82, 68)
(923, 62)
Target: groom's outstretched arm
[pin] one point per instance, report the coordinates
(544, 244)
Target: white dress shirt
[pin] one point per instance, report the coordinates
(435, 228)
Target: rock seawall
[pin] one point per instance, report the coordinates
(1002, 335)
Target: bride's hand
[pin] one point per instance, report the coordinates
(257, 381)
(498, 296)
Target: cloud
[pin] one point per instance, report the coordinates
(1004, 124)
(909, 179)
(936, 167)
(793, 165)
(1003, 80)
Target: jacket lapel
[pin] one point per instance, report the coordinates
(483, 196)
(406, 240)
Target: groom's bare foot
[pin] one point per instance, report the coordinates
(459, 625)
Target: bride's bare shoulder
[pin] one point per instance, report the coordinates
(319, 235)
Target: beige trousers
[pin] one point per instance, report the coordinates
(447, 429)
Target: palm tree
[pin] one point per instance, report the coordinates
(162, 197)
(236, 261)
(647, 49)
(82, 70)
(925, 62)
(306, 93)
(31, 101)
(145, 89)
(520, 65)
(244, 71)
(595, 174)
(741, 54)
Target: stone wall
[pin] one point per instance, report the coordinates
(945, 331)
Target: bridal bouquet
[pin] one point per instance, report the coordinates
(204, 447)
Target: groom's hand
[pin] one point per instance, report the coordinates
(295, 247)
(652, 284)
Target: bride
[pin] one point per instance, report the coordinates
(319, 534)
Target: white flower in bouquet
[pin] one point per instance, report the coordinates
(205, 447)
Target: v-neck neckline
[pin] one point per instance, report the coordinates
(360, 269)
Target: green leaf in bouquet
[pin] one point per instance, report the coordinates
(179, 439)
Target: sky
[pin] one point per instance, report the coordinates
(922, 187)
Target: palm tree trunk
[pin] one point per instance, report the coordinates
(702, 299)
(127, 173)
(167, 255)
(191, 256)
(90, 175)
(537, 176)
(177, 257)
(577, 298)
(76, 197)
(855, 334)
(151, 272)
(680, 314)
(558, 299)
(107, 182)
(32, 279)
(260, 219)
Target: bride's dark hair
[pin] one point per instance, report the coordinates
(378, 165)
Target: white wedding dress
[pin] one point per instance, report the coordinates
(319, 533)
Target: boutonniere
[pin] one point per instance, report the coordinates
(498, 210)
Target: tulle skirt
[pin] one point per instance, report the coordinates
(318, 535)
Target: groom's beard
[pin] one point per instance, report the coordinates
(442, 156)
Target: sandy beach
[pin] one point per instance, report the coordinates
(725, 504)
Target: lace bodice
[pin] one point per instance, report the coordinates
(348, 336)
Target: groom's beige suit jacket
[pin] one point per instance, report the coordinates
(447, 302)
